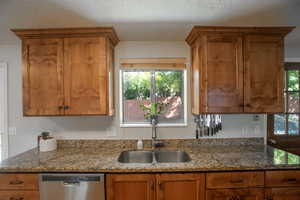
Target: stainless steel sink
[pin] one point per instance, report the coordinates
(136, 157)
(152, 157)
(172, 156)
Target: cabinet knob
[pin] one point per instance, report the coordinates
(241, 105)
(248, 105)
(60, 107)
(66, 107)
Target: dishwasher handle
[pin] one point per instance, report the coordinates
(71, 184)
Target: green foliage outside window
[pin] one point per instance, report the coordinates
(138, 84)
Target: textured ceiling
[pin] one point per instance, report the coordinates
(147, 19)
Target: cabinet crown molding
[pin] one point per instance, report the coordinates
(276, 30)
(108, 32)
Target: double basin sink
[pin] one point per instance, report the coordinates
(154, 157)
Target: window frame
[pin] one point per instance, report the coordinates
(142, 125)
(285, 140)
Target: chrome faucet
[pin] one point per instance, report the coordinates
(155, 143)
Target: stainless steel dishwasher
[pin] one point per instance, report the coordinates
(72, 187)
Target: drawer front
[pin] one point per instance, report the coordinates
(234, 180)
(285, 193)
(19, 195)
(283, 178)
(18, 182)
(235, 194)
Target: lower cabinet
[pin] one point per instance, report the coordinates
(130, 187)
(235, 194)
(283, 194)
(156, 186)
(180, 186)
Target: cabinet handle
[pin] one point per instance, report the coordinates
(291, 180)
(16, 198)
(248, 105)
(152, 185)
(237, 181)
(241, 105)
(16, 182)
(60, 107)
(269, 198)
(160, 185)
(66, 107)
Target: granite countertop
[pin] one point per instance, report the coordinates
(103, 158)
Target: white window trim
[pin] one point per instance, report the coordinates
(4, 108)
(142, 125)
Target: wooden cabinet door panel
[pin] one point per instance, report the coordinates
(224, 73)
(264, 74)
(130, 187)
(180, 186)
(283, 194)
(42, 77)
(235, 194)
(85, 76)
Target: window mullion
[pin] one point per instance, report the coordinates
(153, 88)
(286, 104)
(298, 103)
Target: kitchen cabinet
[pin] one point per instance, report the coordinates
(235, 194)
(283, 193)
(130, 187)
(222, 180)
(19, 187)
(162, 186)
(180, 186)
(237, 69)
(68, 71)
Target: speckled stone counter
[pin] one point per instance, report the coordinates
(101, 156)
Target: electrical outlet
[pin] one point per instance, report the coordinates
(12, 131)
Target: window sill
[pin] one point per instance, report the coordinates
(149, 125)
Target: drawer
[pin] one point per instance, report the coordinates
(234, 180)
(19, 195)
(235, 194)
(283, 178)
(19, 182)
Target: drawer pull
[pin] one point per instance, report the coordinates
(237, 181)
(291, 180)
(16, 182)
(16, 198)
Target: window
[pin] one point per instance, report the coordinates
(145, 86)
(283, 128)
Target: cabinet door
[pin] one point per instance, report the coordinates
(42, 77)
(237, 194)
(130, 187)
(264, 74)
(180, 186)
(85, 75)
(283, 194)
(223, 74)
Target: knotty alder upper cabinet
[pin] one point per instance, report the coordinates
(237, 69)
(68, 71)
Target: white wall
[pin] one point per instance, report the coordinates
(27, 128)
